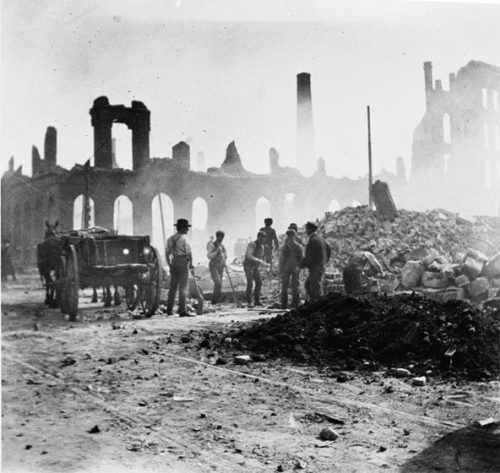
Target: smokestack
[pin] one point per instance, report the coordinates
(428, 82)
(305, 125)
(50, 146)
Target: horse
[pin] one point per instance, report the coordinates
(49, 254)
(106, 296)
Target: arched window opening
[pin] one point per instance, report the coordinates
(78, 213)
(162, 213)
(446, 128)
(200, 214)
(123, 220)
(484, 93)
(262, 211)
(121, 146)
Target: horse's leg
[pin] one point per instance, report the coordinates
(46, 283)
(103, 298)
(116, 297)
(94, 295)
(107, 300)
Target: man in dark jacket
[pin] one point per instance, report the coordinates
(315, 260)
(253, 258)
(291, 255)
(217, 255)
(271, 238)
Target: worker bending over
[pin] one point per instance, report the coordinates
(360, 262)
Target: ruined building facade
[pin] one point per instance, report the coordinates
(229, 192)
(456, 146)
(455, 152)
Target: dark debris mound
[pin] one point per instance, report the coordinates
(376, 330)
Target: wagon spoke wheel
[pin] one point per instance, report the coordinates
(61, 285)
(72, 283)
(149, 292)
(131, 296)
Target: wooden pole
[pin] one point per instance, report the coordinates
(370, 175)
(162, 221)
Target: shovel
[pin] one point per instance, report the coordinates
(449, 353)
(199, 295)
(236, 301)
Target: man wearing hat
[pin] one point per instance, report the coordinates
(217, 255)
(293, 226)
(253, 258)
(316, 257)
(179, 260)
(291, 255)
(271, 238)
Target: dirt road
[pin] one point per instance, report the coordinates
(111, 393)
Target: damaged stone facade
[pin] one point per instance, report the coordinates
(230, 192)
(456, 146)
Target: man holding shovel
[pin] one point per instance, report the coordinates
(217, 256)
(180, 261)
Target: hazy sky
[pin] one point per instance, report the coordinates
(222, 70)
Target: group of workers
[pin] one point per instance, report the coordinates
(293, 257)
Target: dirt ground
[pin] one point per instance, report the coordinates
(112, 393)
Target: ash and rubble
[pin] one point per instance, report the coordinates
(371, 332)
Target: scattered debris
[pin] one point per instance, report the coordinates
(329, 434)
(377, 330)
(94, 430)
(419, 381)
(242, 359)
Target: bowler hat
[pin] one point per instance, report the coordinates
(293, 226)
(311, 224)
(182, 223)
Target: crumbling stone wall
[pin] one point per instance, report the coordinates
(230, 192)
(456, 146)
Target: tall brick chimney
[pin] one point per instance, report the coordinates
(306, 162)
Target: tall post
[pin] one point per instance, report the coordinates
(162, 221)
(370, 175)
(86, 199)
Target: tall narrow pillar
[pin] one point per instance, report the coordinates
(140, 134)
(102, 122)
(305, 125)
(50, 146)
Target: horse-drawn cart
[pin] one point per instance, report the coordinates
(99, 258)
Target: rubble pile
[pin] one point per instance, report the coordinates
(404, 331)
(354, 228)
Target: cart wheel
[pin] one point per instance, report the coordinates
(72, 283)
(149, 294)
(132, 296)
(61, 286)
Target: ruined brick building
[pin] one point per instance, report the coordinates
(456, 146)
(229, 193)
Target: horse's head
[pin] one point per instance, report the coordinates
(51, 230)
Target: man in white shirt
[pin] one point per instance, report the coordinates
(179, 260)
(217, 255)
